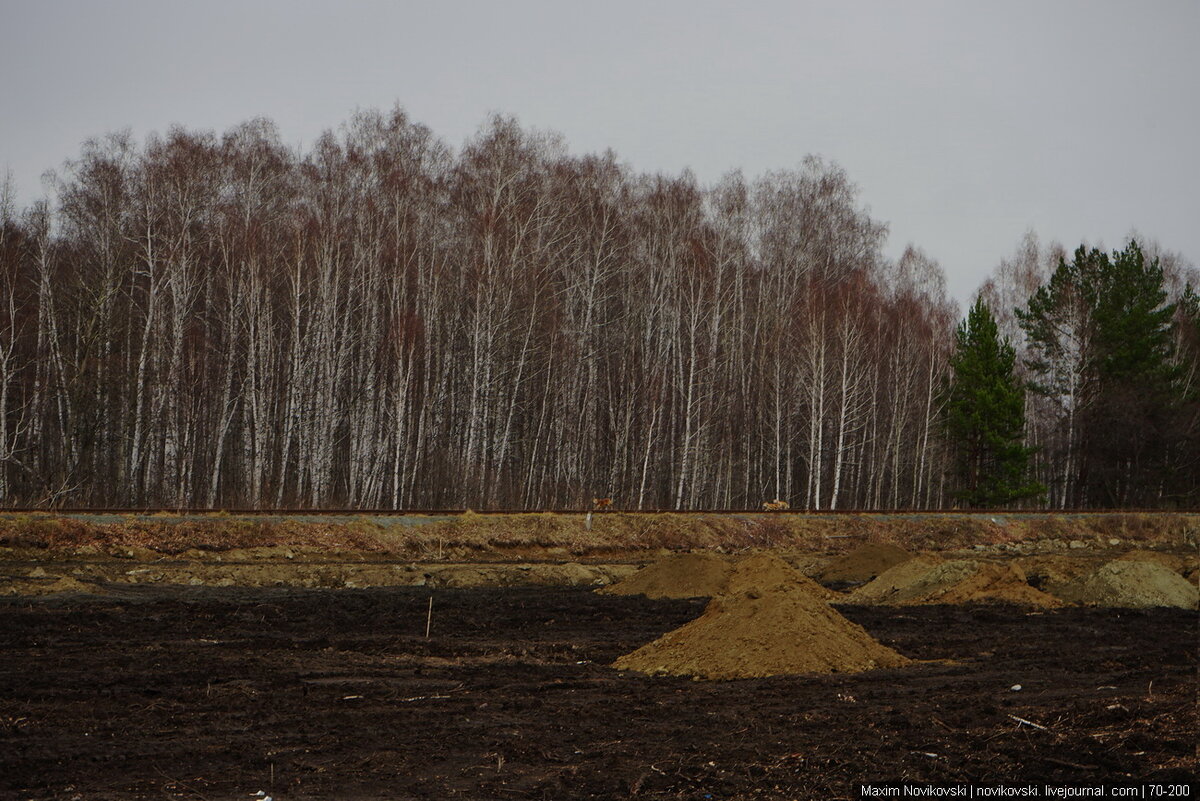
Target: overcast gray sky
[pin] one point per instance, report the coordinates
(963, 123)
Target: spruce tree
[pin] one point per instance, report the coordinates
(1103, 322)
(1184, 479)
(985, 416)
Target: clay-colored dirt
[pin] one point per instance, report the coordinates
(766, 572)
(863, 563)
(755, 634)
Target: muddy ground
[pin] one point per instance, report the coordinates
(157, 691)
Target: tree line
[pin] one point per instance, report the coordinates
(1110, 361)
(383, 321)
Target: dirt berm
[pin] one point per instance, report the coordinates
(1171, 561)
(756, 634)
(863, 563)
(39, 583)
(931, 580)
(1132, 583)
(707, 575)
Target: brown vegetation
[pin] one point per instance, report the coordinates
(488, 536)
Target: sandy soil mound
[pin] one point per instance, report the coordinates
(753, 634)
(863, 563)
(1170, 561)
(686, 575)
(766, 572)
(959, 581)
(1132, 583)
(894, 579)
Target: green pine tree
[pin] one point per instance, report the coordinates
(1184, 479)
(985, 416)
(1188, 323)
(1102, 336)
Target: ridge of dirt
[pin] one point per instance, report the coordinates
(1132, 583)
(43, 584)
(956, 581)
(94, 577)
(756, 634)
(482, 536)
(863, 563)
(707, 575)
(685, 575)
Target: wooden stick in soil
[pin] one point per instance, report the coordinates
(429, 617)
(1029, 723)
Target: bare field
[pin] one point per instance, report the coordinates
(158, 657)
(167, 692)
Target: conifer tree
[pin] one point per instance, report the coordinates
(1103, 322)
(1184, 482)
(985, 415)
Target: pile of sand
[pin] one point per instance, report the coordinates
(696, 575)
(896, 578)
(863, 563)
(927, 580)
(766, 572)
(1170, 561)
(756, 634)
(1132, 583)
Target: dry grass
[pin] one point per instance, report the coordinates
(172, 536)
(479, 535)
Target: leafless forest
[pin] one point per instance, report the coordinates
(220, 320)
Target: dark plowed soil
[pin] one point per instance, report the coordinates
(219, 693)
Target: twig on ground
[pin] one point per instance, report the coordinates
(1029, 723)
